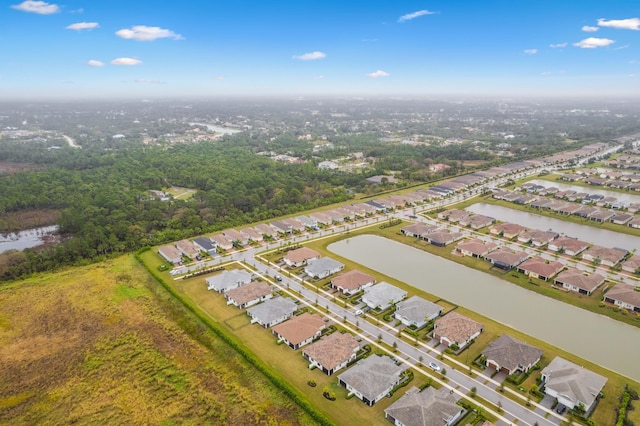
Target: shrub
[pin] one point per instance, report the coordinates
(312, 383)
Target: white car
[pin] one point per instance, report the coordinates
(434, 366)
(359, 312)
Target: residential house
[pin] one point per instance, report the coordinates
(308, 222)
(272, 311)
(383, 295)
(601, 216)
(567, 245)
(454, 216)
(372, 378)
(625, 296)
(250, 234)
(235, 237)
(222, 242)
(632, 264)
(418, 230)
(300, 256)
(507, 230)
(604, 255)
(536, 237)
(634, 223)
(320, 218)
(281, 227)
(300, 330)
(368, 209)
(249, 294)
(334, 216)
(205, 244)
(266, 230)
(509, 355)
(323, 267)
(416, 311)
(576, 280)
(571, 384)
(187, 248)
(506, 258)
(170, 254)
(429, 407)
(477, 221)
(621, 218)
(227, 280)
(454, 328)
(475, 248)
(537, 267)
(352, 282)
(295, 224)
(332, 353)
(443, 237)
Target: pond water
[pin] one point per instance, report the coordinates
(620, 196)
(591, 234)
(600, 339)
(25, 239)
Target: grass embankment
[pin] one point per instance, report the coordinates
(604, 414)
(105, 344)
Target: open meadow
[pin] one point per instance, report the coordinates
(105, 344)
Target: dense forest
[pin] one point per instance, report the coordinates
(99, 194)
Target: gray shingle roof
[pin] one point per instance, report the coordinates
(373, 375)
(511, 353)
(272, 310)
(429, 407)
(416, 309)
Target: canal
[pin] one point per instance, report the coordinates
(591, 234)
(600, 339)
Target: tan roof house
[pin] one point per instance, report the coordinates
(507, 230)
(576, 280)
(418, 229)
(454, 328)
(170, 253)
(300, 330)
(624, 296)
(509, 355)
(299, 257)
(632, 264)
(187, 248)
(536, 237)
(475, 248)
(332, 353)
(352, 282)
(249, 294)
(537, 267)
(604, 255)
(567, 245)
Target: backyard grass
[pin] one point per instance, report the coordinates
(283, 361)
(104, 344)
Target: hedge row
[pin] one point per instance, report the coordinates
(245, 353)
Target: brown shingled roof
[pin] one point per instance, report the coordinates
(332, 350)
(300, 328)
(352, 280)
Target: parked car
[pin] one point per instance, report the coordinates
(359, 312)
(434, 366)
(278, 278)
(560, 409)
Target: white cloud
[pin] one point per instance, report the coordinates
(414, 15)
(530, 51)
(40, 7)
(558, 45)
(78, 26)
(589, 29)
(622, 24)
(94, 63)
(632, 75)
(218, 77)
(144, 33)
(311, 56)
(319, 77)
(546, 73)
(593, 42)
(146, 81)
(377, 74)
(126, 61)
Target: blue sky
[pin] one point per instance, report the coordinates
(164, 48)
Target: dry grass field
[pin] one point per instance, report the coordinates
(104, 344)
